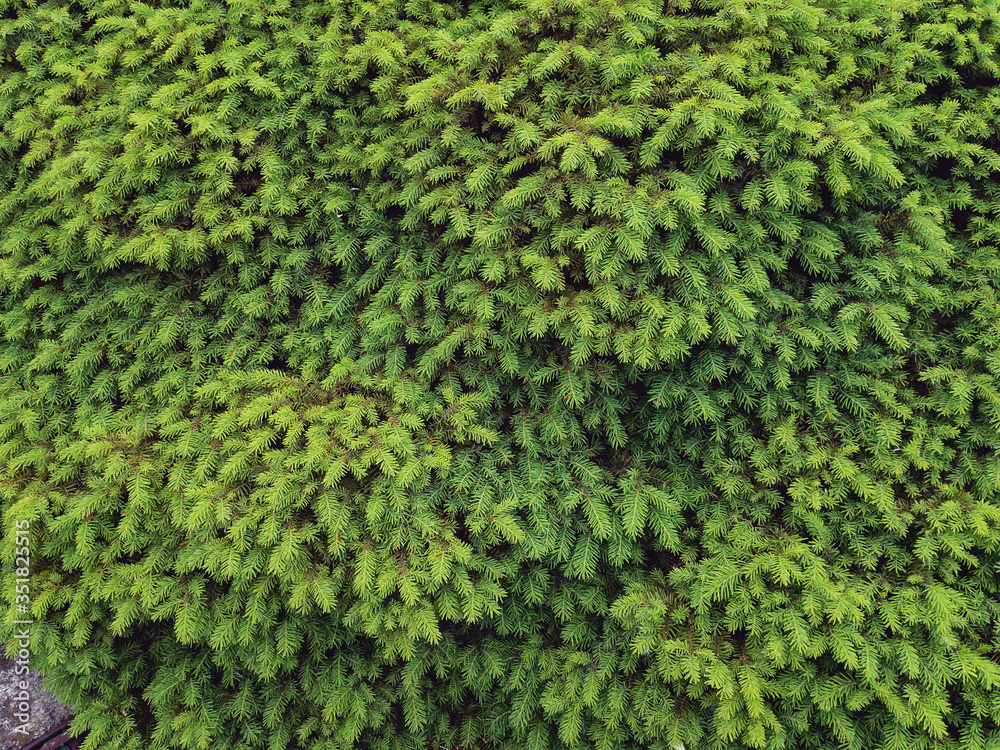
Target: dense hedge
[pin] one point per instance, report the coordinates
(539, 374)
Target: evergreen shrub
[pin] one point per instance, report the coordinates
(528, 374)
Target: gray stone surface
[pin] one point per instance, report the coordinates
(46, 712)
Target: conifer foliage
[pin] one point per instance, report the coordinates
(546, 374)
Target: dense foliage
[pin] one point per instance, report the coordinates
(543, 374)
